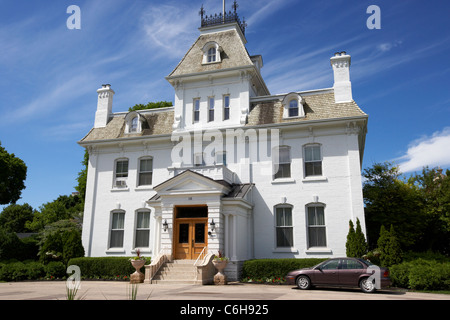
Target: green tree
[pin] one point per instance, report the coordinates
(151, 105)
(61, 241)
(389, 247)
(389, 200)
(434, 187)
(65, 207)
(82, 177)
(356, 245)
(349, 245)
(15, 216)
(13, 173)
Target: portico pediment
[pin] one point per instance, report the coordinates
(192, 183)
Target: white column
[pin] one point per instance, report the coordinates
(234, 237)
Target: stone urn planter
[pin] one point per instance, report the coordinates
(137, 263)
(220, 263)
(137, 276)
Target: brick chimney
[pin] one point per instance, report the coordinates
(104, 106)
(341, 69)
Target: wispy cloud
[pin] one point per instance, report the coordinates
(429, 151)
(170, 28)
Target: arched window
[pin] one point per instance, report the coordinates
(212, 55)
(134, 124)
(293, 108)
(211, 52)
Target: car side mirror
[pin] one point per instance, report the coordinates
(319, 268)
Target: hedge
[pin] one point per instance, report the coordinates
(31, 270)
(421, 274)
(275, 268)
(106, 268)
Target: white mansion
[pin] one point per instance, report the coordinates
(230, 167)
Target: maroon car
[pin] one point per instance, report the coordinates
(341, 272)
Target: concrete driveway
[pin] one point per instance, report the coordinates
(117, 290)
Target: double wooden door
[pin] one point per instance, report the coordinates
(190, 237)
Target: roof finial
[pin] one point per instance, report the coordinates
(201, 12)
(234, 6)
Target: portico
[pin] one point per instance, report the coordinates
(195, 213)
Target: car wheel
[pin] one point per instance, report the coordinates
(303, 282)
(367, 285)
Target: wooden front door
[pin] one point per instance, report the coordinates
(190, 237)
(190, 232)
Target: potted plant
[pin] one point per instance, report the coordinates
(220, 262)
(137, 262)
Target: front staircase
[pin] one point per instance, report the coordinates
(176, 272)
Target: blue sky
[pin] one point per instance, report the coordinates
(49, 74)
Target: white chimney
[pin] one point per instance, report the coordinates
(104, 106)
(341, 69)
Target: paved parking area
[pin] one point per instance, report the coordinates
(115, 290)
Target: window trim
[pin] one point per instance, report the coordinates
(194, 111)
(308, 245)
(116, 178)
(211, 102)
(226, 107)
(313, 176)
(276, 150)
(276, 227)
(138, 182)
(206, 52)
(110, 231)
(287, 102)
(130, 118)
(146, 211)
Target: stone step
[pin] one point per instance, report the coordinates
(176, 271)
(172, 282)
(173, 275)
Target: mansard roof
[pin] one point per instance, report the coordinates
(233, 54)
(319, 105)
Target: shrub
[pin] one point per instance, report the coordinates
(55, 269)
(275, 268)
(104, 267)
(389, 247)
(16, 271)
(421, 274)
(9, 242)
(356, 245)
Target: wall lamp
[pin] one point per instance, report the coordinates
(213, 225)
(165, 225)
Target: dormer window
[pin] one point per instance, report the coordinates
(293, 106)
(211, 52)
(133, 122)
